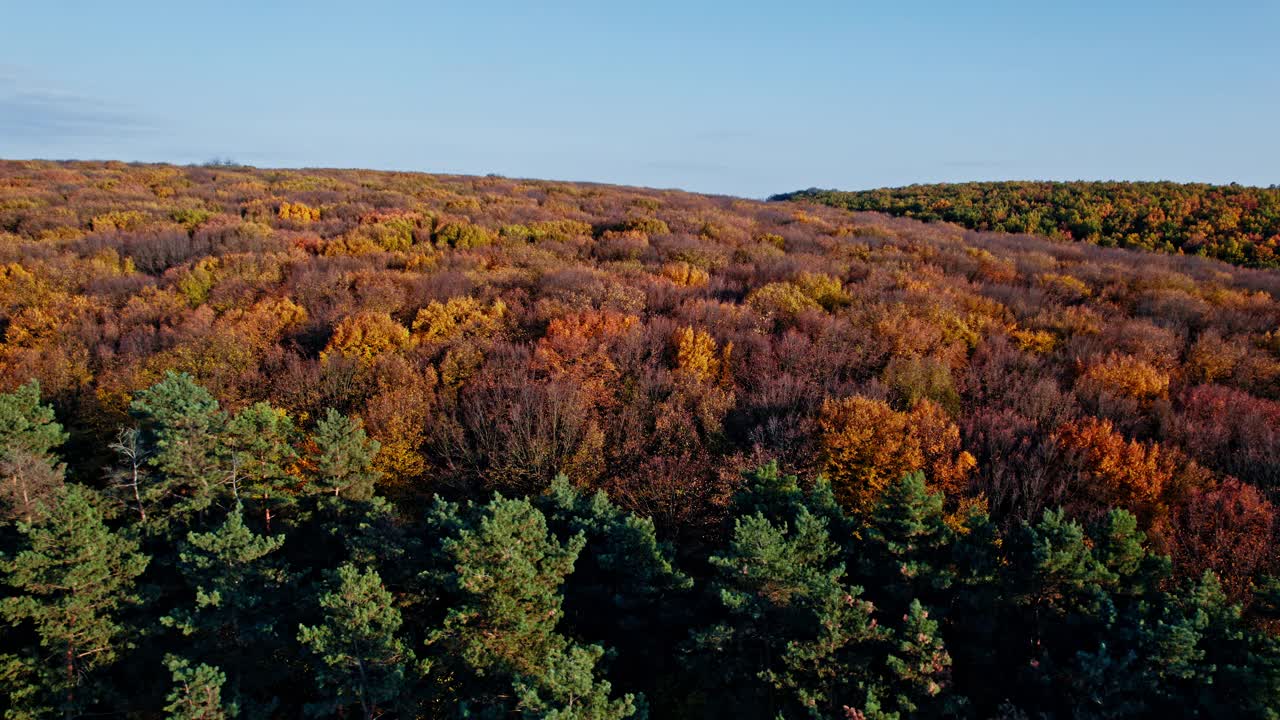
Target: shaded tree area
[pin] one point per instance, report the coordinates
(561, 604)
(1234, 223)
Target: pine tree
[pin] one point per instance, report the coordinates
(624, 592)
(1061, 607)
(919, 666)
(569, 689)
(341, 459)
(500, 630)
(906, 548)
(976, 619)
(27, 425)
(70, 582)
(259, 445)
(361, 660)
(181, 430)
(234, 579)
(795, 640)
(197, 692)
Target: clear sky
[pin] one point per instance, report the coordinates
(739, 97)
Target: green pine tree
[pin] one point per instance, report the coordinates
(905, 553)
(197, 692)
(569, 689)
(795, 639)
(499, 633)
(258, 443)
(361, 660)
(235, 582)
(341, 459)
(182, 429)
(27, 425)
(1061, 607)
(919, 666)
(70, 583)
(625, 592)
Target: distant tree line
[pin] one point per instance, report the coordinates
(1234, 223)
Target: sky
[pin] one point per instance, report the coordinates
(738, 98)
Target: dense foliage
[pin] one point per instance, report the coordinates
(283, 442)
(1230, 222)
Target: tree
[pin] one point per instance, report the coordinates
(625, 591)
(905, 552)
(1061, 606)
(341, 458)
(30, 477)
(29, 485)
(259, 445)
(181, 426)
(1227, 529)
(26, 425)
(865, 445)
(197, 692)
(499, 634)
(920, 664)
(129, 480)
(361, 660)
(70, 582)
(366, 335)
(569, 690)
(232, 614)
(793, 639)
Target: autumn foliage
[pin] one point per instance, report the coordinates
(491, 332)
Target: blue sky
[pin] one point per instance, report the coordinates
(740, 98)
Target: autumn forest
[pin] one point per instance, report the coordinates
(338, 443)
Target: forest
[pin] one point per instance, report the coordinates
(1234, 223)
(341, 443)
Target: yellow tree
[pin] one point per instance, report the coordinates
(366, 335)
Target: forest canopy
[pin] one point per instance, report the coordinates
(1234, 223)
(354, 443)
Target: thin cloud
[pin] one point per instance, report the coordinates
(41, 114)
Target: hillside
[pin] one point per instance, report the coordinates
(1048, 468)
(1237, 224)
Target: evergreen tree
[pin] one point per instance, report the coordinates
(1208, 662)
(231, 615)
(30, 476)
(341, 458)
(625, 592)
(976, 622)
(795, 640)
(259, 446)
(197, 692)
(70, 582)
(905, 551)
(920, 666)
(1061, 607)
(361, 660)
(780, 498)
(181, 431)
(500, 631)
(27, 425)
(569, 689)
